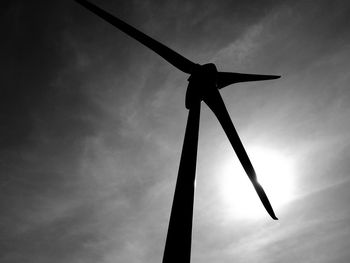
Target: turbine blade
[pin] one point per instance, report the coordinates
(168, 54)
(216, 104)
(227, 78)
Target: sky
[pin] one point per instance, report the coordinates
(92, 124)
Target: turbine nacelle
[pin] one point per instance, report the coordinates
(202, 80)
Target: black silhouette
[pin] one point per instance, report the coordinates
(204, 84)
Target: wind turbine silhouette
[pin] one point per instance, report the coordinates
(204, 84)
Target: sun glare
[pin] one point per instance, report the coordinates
(275, 174)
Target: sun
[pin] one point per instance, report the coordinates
(274, 172)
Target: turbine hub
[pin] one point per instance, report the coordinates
(201, 82)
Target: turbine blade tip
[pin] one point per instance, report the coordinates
(274, 76)
(272, 214)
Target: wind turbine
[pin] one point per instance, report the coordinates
(204, 84)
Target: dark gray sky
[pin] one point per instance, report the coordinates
(92, 123)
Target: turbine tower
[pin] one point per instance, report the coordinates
(204, 84)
